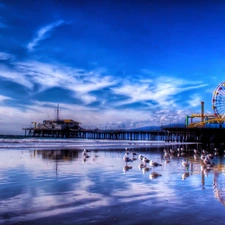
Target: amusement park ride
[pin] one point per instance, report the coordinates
(218, 106)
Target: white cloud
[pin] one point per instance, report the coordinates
(5, 56)
(80, 82)
(162, 90)
(43, 33)
(15, 76)
(195, 100)
(3, 98)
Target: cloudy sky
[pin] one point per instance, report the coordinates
(109, 63)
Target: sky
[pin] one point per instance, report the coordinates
(109, 64)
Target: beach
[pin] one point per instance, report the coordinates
(58, 185)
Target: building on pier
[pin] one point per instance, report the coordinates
(59, 124)
(53, 128)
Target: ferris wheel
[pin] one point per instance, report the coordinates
(218, 101)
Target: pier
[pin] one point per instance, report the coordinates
(97, 134)
(170, 134)
(200, 131)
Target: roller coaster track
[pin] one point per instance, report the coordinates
(217, 120)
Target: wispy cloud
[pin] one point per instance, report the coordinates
(195, 100)
(5, 56)
(3, 98)
(161, 90)
(79, 82)
(14, 75)
(43, 33)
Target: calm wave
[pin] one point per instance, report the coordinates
(71, 143)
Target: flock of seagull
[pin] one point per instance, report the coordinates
(146, 164)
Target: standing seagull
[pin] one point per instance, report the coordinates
(85, 152)
(126, 158)
(152, 163)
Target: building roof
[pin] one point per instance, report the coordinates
(63, 120)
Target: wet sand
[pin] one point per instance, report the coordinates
(64, 187)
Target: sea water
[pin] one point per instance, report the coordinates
(50, 181)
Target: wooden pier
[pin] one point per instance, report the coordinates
(172, 134)
(96, 134)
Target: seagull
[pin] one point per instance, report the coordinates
(134, 153)
(85, 152)
(154, 175)
(166, 155)
(204, 151)
(209, 156)
(145, 160)
(140, 157)
(152, 163)
(202, 156)
(208, 162)
(126, 150)
(126, 158)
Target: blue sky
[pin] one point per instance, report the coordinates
(109, 63)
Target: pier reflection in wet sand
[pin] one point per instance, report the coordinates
(99, 187)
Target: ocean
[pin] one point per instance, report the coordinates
(52, 181)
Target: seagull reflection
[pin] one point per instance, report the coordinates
(185, 164)
(84, 159)
(206, 171)
(196, 151)
(167, 161)
(154, 175)
(95, 157)
(126, 168)
(196, 157)
(185, 175)
(141, 166)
